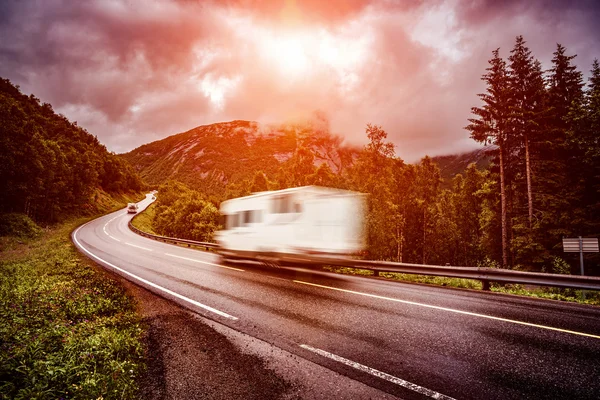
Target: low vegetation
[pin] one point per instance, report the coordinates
(180, 212)
(143, 220)
(67, 330)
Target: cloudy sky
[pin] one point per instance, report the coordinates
(131, 72)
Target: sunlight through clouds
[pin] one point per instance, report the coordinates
(216, 89)
(177, 65)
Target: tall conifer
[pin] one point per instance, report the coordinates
(490, 127)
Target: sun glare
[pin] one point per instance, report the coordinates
(291, 53)
(288, 53)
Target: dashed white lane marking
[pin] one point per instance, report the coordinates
(512, 321)
(139, 247)
(203, 262)
(106, 224)
(382, 375)
(154, 285)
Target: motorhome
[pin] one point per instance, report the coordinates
(297, 221)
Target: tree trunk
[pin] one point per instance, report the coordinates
(398, 242)
(403, 223)
(503, 205)
(424, 259)
(529, 192)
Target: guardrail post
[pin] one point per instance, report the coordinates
(485, 284)
(375, 272)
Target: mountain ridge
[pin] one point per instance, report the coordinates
(210, 156)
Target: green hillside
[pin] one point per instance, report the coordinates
(454, 164)
(51, 167)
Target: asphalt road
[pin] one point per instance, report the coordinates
(411, 341)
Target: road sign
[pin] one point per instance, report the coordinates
(580, 245)
(585, 245)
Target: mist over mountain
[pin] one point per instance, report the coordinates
(209, 157)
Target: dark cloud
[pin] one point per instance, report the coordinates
(132, 73)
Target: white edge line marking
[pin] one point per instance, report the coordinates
(154, 285)
(382, 375)
(203, 262)
(454, 311)
(139, 247)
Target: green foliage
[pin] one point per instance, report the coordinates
(49, 166)
(66, 330)
(560, 266)
(143, 220)
(19, 225)
(183, 213)
(544, 181)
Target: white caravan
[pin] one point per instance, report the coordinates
(298, 221)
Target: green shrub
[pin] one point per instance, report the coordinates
(19, 225)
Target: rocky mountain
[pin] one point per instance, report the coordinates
(210, 157)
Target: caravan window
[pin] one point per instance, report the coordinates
(247, 217)
(232, 220)
(285, 204)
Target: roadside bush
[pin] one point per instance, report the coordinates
(20, 225)
(183, 213)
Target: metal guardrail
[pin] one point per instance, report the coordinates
(485, 275)
(167, 239)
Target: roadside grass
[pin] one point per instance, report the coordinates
(591, 297)
(143, 220)
(67, 330)
(577, 296)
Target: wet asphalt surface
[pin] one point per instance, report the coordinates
(249, 322)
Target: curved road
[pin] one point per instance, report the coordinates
(411, 341)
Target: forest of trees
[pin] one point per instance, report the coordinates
(546, 178)
(543, 130)
(50, 166)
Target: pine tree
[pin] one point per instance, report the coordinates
(490, 126)
(527, 111)
(526, 107)
(561, 159)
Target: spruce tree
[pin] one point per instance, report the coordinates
(490, 127)
(526, 123)
(561, 156)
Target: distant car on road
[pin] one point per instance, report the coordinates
(132, 208)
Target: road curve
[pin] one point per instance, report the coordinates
(411, 341)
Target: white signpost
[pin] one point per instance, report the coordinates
(580, 245)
